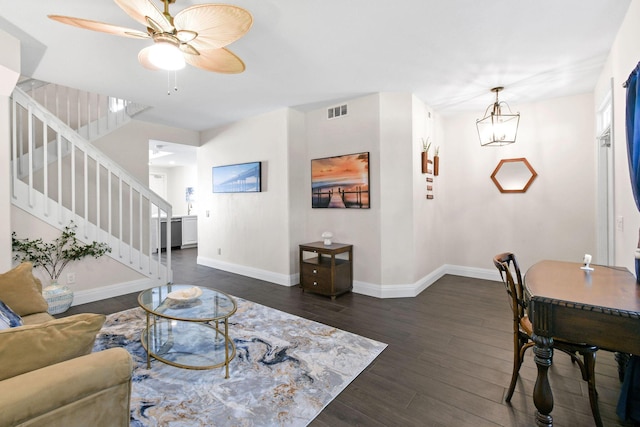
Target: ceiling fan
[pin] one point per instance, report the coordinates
(197, 35)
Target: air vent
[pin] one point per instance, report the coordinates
(337, 111)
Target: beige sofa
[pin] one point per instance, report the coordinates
(48, 375)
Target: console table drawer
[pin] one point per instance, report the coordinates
(316, 271)
(316, 284)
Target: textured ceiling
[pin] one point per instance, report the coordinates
(310, 53)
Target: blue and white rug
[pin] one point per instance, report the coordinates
(286, 370)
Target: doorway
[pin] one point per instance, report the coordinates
(158, 184)
(605, 220)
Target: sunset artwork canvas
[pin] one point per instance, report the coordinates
(340, 181)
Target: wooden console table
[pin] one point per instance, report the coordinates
(601, 308)
(323, 272)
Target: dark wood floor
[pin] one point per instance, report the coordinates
(448, 360)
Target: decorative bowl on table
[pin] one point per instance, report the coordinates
(185, 295)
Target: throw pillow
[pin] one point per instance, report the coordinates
(8, 318)
(22, 291)
(32, 347)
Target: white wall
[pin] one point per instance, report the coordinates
(298, 168)
(428, 216)
(251, 230)
(5, 183)
(396, 169)
(356, 132)
(554, 219)
(178, 179)
(623, 58)
(129, 145)
(9, 63)
(397, 241)
(9, 69)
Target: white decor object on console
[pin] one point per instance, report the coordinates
(587, 261)
(327, 235)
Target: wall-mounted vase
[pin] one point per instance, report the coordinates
(425, 161)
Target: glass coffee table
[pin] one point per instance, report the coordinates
(188, 326)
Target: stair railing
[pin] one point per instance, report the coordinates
(91, 115)
(58, 176)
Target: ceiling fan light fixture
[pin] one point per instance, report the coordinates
(498, 128)
(166, 56)
(196, 35)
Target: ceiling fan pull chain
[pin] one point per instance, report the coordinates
(175, 82)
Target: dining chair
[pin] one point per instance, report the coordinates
(582, 354)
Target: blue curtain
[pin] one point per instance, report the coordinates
(628, 407)
(633, 131)
(633, 141)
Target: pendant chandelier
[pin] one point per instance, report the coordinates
(498, 128)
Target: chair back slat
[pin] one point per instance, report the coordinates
(507, 265)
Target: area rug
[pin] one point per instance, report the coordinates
(286, 370)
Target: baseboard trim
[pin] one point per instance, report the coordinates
(104, 292)
(400, 290)
(406, 290)
(410, 290)
(256, 273)
(473, 272)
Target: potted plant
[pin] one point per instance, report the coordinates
(436, 162)
(426, 145)
(53, 257)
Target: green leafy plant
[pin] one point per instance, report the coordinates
(53, 257)
(426, 144)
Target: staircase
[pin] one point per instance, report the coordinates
(59, 176)
(91, 115)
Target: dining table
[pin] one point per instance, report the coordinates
(566, 301)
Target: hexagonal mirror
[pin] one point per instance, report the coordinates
(513, 175)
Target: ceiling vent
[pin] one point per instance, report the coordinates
(337, 111)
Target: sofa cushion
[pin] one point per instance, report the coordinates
(21, 291)
(26, 348)
(8, 318)
(36, 318)
(92, 390)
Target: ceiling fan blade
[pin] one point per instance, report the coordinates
(141, 9)
(217, 25)
(88, 24)
(143, 58)
(218, 60)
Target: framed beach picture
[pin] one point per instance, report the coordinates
(239, 178)
(340, 181)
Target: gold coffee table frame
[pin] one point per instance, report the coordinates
(170, 324)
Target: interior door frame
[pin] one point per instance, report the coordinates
(605, 222)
